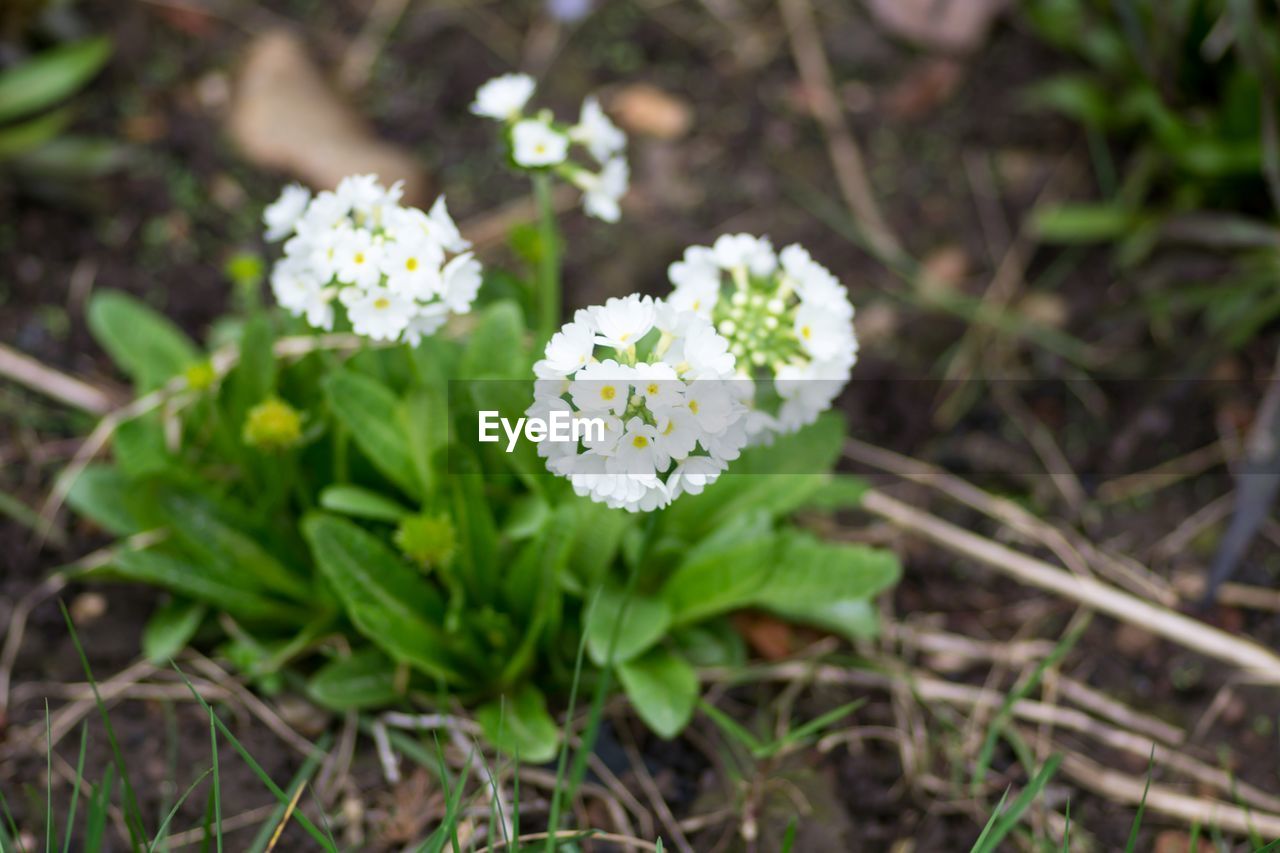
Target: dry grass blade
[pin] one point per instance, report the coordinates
(52, 383)
(1120, 787)
(846, 157)
(284, 820)
(1173, 626)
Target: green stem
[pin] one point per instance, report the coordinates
(548, 297)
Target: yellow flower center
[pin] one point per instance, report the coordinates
(640, 441)
(693, 406)
(806, 332)
(671, 427)
(653, 388)
(608, 392)
(381, 303)
(359, 258)
(411, 264)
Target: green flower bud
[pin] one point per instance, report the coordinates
(427, 540)
(200, 376)
(272, 425)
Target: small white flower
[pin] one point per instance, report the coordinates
(358, 259)
(602, 385)
(425, 322)
(412, 268)
(379, 314)
(569, 349)
(462, 278)
(623, 322)
(445, 230)
(535, 144)
(594, 130)
(823, 333)
(743, 251)
(282, 215)
(694, 474)
(635, 454)
(503, 98)
(602, 193)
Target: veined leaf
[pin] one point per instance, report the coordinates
(388, 601)
(170, 628)
(359, 502)
(828, 585)
(145, 344)
(365, 680)
(663, 688)
(520, 726)
(204, 583)
(99, 494)
(371, 412)
(646, 622)
(723, 572)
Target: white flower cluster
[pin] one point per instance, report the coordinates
(396, 270)
(662, 383)
(788, 320)
(539, 142)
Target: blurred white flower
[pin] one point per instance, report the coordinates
(282, 215)
(503, 98)
(669, 427)
(535, 144)
(388, 265)
(594, 130)
(787, 319)
(602, 191)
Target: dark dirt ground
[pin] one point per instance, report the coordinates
(755, 161)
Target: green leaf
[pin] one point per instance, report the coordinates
(215, 539)
(100, 494)
(170, 628)
(599, 536)
(371, 413)
(724, 572)
(496, 348)
(205, 583)
(388, 601)
(138, 446)
(1076, 96)
(646, 621)
(27, 137)
(663, 689)
(520, 726)
(359, 502)
(51, 76)
(840, 491)
(363, 681)
(828, 585)
(254, 377)
(1083, 223)
(145, 345)
(70, 157)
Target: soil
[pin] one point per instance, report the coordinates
(755, 161)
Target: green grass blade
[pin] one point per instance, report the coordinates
(817, 724)
(1002, 717)
(1195, 837)
(993, 835)
(302, 777)
(96, 820)
(1142, 806)
(1066, 832)
(132, 815)
(262, 775)
(163, 831)
(13, 842)
(732, 728)
(789, 837)
(48, 781)
(981, 843)
(553, 815)
(216, 790)
(75, 788)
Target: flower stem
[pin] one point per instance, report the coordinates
(548, 258)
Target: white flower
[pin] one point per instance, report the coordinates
(659, 416)
(282, 215)
(502, 98)
(602, 193)
(395, 269)
(378, 314)
(787, 320)
(412, 268)
(594, 130)
(535, 144)
(569, 349)
(623, 322)
(462, 279)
